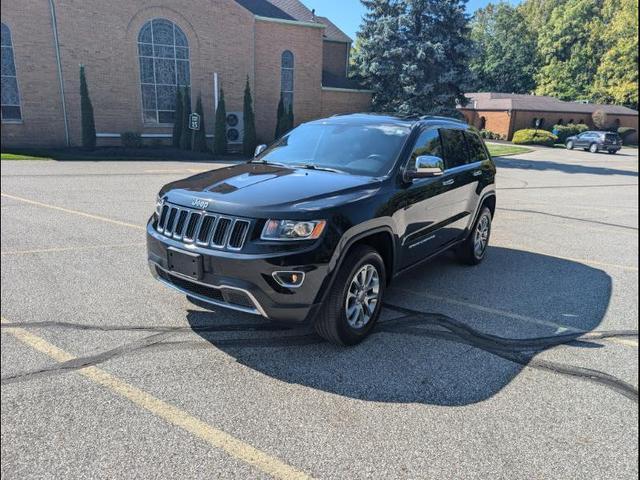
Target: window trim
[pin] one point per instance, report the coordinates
(13, 121)
(293, 79)
(158, 124)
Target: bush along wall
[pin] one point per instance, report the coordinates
(178, 123)
(185, 134)
(534, 137)
(220, 133)
(200, 136)
(249, 141)
(86, 111)
(565, 131)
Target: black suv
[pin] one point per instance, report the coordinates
(596, 141)
(316, 225)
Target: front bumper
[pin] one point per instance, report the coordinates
(242, 282)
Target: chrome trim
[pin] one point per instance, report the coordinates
(288, 285)
(244, 236)
(208, 238)
(257, 310)
(226, 234)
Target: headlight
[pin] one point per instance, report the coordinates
(159, 205)
(292, 230)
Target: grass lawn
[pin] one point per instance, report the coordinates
(499, 150)
(18, 156)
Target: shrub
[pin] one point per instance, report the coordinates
(86, 112)
(280, 119)
(249, 139)
(600, 119)
(534, 137)
(131, 140)
(200, 136)
(624, 132)
(565, 131)
(178, 122)
(185, 135)
(220, 132)
(489, 135)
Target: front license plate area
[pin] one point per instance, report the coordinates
(184, 263)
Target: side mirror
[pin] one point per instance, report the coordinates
(259, 150)
(427, 166)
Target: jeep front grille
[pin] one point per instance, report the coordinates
(203, 228)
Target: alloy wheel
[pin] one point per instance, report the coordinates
(481, 236)
(362, 296)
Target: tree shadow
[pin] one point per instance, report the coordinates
(541, 165)
(499, 316)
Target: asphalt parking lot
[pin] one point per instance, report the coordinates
(524, 367)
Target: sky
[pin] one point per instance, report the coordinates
(346, 14)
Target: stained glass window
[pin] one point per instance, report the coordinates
(10, 105)
(163, 50)
(286, 81)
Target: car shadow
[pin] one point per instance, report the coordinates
(541, 165)
(449, 335)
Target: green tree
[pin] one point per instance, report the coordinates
(249, 139)
(185, 136)
(200, 136)
(415, 55)
(281, 118)
(86, 113)
(505, 50)
(220, 134)
(178, 122)
(569, 50)
(616, 78)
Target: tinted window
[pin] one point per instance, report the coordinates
(477, 153)
(360, 149)
(455, 148)
(427, 144)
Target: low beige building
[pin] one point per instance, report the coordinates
(506, 113)
(137, 53)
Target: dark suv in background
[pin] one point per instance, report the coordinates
(596, 141)
(316, 225)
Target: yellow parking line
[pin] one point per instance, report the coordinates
(70, 249)
(215, 437)
(75, 212)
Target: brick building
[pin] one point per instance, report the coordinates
(506, 113)
(137, 52)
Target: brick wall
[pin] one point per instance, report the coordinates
(334, 102)
(42, 120)
(497, 122)
(271, 39)
(334, 58)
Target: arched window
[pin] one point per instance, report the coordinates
(571, 122)
(483, 123)
(561, 122)
(10, 105)
(286, 75)
(163, 50)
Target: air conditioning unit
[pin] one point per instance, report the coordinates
(235, 128)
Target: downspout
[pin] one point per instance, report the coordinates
(56, 45)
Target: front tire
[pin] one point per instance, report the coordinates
(353, 305)
(473, 250)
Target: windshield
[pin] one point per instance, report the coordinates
(356, 149)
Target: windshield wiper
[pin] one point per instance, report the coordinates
(311, 166)
(265, 162)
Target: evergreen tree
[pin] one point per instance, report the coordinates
(505, 53)
(220, 134)
(290, 119)
(185, 136)
(249, 140)
(281, 120)
(415, 54)
(178, 122)
(86, 111)
(200, 136)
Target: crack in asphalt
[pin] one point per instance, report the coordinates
(564, 217)
(517, 350)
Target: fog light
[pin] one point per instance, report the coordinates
(289, 279)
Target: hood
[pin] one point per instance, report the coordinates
(251, 189)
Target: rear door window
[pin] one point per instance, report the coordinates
(454, 147)
(477, 152)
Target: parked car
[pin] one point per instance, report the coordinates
(596, 141)
(315, 227)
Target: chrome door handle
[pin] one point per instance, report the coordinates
(446, 183)
(477, 173)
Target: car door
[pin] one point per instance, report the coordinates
(425, 210)
(583, 140)
(461, 178)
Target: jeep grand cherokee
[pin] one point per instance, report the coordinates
(316, 225)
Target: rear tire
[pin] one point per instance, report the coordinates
(593, 148)
(333, 322)
(570, 145)
(473, 250)
(612, 152)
